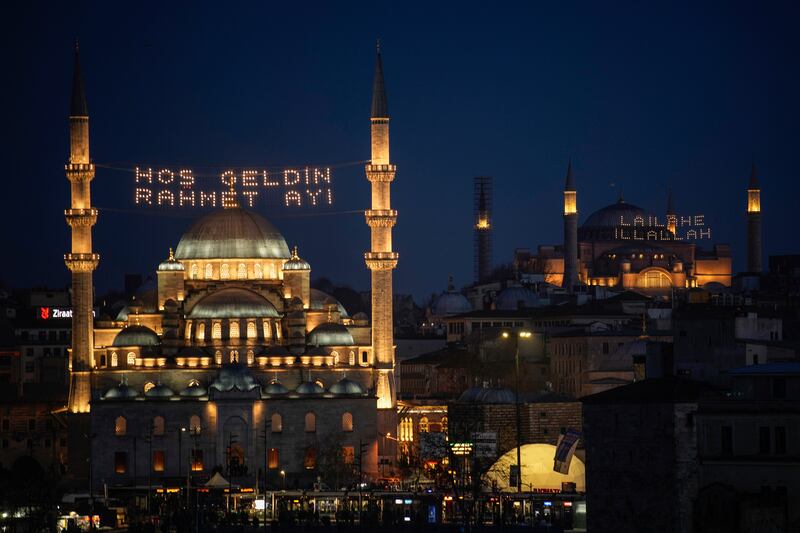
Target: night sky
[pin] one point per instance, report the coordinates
(640, 95)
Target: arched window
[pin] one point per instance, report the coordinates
(224, 271)
(188, 333)
(218, 357)
(193, 271)
(242, 273)
(216, 331)
(364, 358)
(252, 332)
(251, 357)
(347, 422)
(209, 271)
(423, 424)
(233, 332)
(444, 424)
(147, 386)
(131, 359)
(120, 426)
(158, 425)
(276, 423)
(102, 361)
(267, 329)
(352, 360)
(310, 460)
(194, 424)
(234, 356)
(407, 430)
(311, 422)
(335, 356)
(272, 271)
(654, 279)
(114, 359)
(200, 333)
(258, 271)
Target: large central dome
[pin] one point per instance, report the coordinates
(612, 215)
(232, 234)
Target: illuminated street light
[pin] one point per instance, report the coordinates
(520, 335)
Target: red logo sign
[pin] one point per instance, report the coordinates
(44, 313)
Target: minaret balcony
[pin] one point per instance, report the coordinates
(381, 218)
(81, 217)
(79, 171)
(381, 260)
(381, 173)
(81, 262)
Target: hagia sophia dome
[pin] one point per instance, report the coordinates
(232, 233)
(610, 215)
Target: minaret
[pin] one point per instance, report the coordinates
(570, 279)
(672, 219)
(381, 260)
(81, 261)
(483, 227)
(753, 222)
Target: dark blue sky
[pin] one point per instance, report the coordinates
(641, 95)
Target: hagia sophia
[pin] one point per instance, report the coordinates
(231, 359)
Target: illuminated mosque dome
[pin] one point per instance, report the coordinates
(232, 234)
(159, 391)
(345, 386)
(309, 387)
(120, 392)
(275, 387)
(330, 334)
(516, 297)
(451, 302)
(233, 303)
(611, 215)
(136, 336)
(319, 301)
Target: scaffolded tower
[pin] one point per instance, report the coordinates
(482, 210)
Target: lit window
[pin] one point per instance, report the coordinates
(347, 422)
(147, 386)
(252, 332)
(216, 331)
(242, 273)
(193, 271)
(158, 461)
(120, 426)
(310, 460)
(114, 359)
(197, 460)
(277, 423)
(234, 329)
(194, 424)
(407, 430)
(224, 271)
(311, 422)
(273, 458)
(335, 356)
(234, 356)
(218, 357)
(348, 455)
(188, 333)
(158, 425)
(444, 424)
(201, 331)
(131, 359)
(352, 360)
(120, 462)
(267, 329)
(258, 271)
(209, 271)
(251, 357)
(423, 424)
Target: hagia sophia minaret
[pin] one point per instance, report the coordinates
(753, 222)
(81, 261)
(381, 260)
(672, 218)
(571, 278)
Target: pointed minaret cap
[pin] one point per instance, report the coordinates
(570, 182)
(380, 107)
(78, 107)
(753, 178)
(670, 207)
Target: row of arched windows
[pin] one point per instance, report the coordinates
(130, 359)
(310, 422)
(234, 271)
(231, 329)
(158, 427)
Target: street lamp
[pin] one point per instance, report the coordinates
(520, 335)
(283, 477)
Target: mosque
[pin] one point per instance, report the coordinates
(231, 362)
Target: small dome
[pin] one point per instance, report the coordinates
(295, 262)
(234, 377)
(233, 303)
(275, 387)
(159, 391)
(487, 395)
(330, 334)
(120, 392)
(611, 215)
(309, 387)
(321, 299)
(171, 264)
(136, 336)
(516, 297)
(346, 386)
(451, 302)
(232, 234)
(194, 390)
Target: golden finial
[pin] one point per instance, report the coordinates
(171, 254)
(294, 253)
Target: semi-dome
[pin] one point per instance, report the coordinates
(487, 395)
(330, 334)
(321, 299)
(451, 302)
(194, 390)
(120, 392)
(234, 377)
(309, 387)
(136, 336)
(233, 303)
(611, 215)
(275, 387)
(171, 264)
(296, 262)
(159, 391)
(232, 234)
(346, 386)
(516, 297)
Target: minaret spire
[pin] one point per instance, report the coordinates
(571, 277)
(569, 184)
(753, 222)
(672, 219)
(81, 261)
(382, 260)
